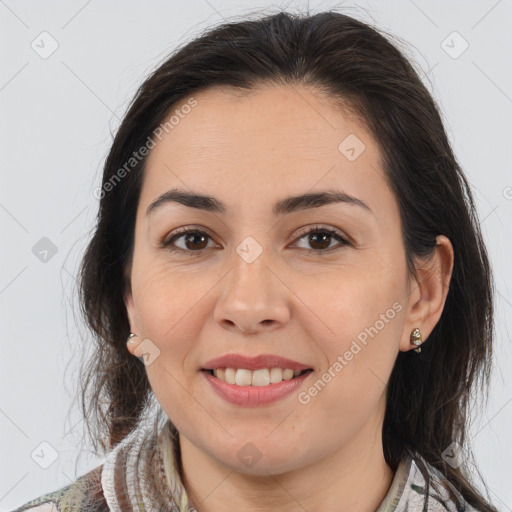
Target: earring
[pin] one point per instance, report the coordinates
(416, 339)
(130, 338)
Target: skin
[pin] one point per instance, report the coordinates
(249, 151)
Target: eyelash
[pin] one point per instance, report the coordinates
(168, 244)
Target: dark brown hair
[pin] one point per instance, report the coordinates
(428, 396)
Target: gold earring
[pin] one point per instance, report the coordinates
(416, 339)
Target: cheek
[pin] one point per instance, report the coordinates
(163, 296)
(173, 307)
(356, 318)
(167, 309)
(352, 385)
(340, 303)
(160, 305)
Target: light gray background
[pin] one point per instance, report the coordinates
(56, 117)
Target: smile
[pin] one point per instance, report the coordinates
(250, 394)
(260, 377)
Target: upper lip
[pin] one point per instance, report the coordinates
(253, 363)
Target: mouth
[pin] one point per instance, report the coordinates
(262, 377)
(255, 388)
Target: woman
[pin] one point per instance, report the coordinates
(287, 283)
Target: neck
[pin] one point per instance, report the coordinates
(354, 478)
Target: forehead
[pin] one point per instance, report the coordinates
(250, 147)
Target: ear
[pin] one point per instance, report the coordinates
(132, 317)
(427, 292)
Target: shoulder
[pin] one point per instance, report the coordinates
(46, 503)
(49, 506)
(85, 493)
(439, 493)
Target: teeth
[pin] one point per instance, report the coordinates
(243, 377)
(229, 375)
(261, 377)
(287, 374)
(276, 375)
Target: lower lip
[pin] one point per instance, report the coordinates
(252, 396)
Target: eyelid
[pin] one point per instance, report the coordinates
(344, 240)
(185, 230)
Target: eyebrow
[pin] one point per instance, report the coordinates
(282, 207)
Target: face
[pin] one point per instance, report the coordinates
(253, 281)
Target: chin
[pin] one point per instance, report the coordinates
(264, 469)
(250, 460)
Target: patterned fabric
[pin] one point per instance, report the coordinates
(121, 484)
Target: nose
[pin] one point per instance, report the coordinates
(253, 298)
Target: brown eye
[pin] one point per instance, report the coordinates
(320, 238)
(193, 241)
